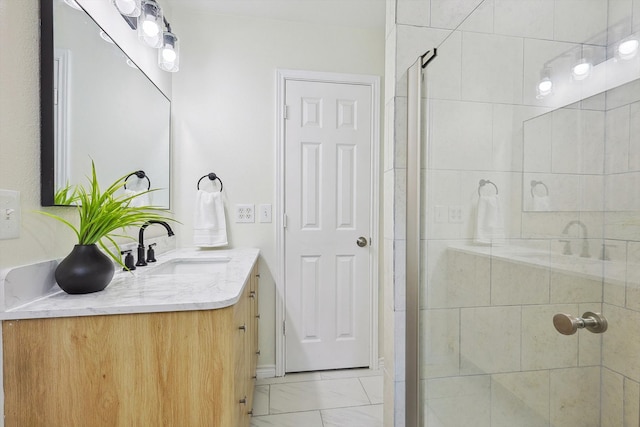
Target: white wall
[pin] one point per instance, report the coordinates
(224, 117)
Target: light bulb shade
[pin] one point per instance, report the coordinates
(545, 87)
(150, 23)
(581, 70)
(73, 4)
(169, 53)
(628, 49)
(127, 7)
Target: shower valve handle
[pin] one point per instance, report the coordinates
(567, 324)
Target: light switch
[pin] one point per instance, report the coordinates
(9, 214)
(265, 213)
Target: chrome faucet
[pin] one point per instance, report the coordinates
(142, 261)
(585, 235)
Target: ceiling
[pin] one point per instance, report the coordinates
(353, 13)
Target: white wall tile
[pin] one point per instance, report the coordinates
(620, 16)
(490, 340)
(413, 42)
(617, 128)
(443, 75)
(568, 288)
(581, 21)
(451, 13)
(633, 277)
(577, 141)
(636, 15)
(446, 397)
(634, 136)
(612, 392)
(413, 12)
(542, 346)
(481, 19)
(631, 403)
(440, 343)
(591, 193)
(456, 279)
(575, 397)
(442, 190)
(493, 68)
(537, 144)
(520, 399)
(508, 135)
(525, 18)
(461, 127)
(518, 284)
(619, 352)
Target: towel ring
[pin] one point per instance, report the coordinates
(484, 182)
(212, 176)
(140, 174)
(535, 183)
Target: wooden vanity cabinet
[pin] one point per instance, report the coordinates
(183, 368)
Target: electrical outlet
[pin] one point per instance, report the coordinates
(455, 214)
(264, 214)
(9, 214)
(245, 213)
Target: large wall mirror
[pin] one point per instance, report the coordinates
(97, 105)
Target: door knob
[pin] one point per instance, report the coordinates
(567, 324)
(362, 241)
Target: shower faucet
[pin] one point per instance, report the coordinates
(584, 253)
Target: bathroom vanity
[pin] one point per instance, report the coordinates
(171, 345)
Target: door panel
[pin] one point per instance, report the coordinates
(327, 205)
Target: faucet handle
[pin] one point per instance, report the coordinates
(566, 250)
(151, 255)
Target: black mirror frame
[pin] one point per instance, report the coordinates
(47, 150)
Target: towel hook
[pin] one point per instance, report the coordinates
(141, 175)
(535, 183)
(212, 176)
(484, 182)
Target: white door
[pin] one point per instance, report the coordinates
(327, 207)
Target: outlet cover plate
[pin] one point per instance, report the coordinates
(9, 214)
(245, 213)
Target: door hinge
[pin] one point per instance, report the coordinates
(286, 112)
(284, 327)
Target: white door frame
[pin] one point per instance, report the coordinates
(283, 75)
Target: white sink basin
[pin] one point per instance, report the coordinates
(181, 266)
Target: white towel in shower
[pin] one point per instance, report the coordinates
(489, 225)
(541, 203)
(209, 225)
(141, 200)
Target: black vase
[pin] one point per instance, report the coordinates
(86, 269)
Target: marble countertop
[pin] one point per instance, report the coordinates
(144, 291)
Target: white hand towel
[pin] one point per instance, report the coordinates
(489, 225)
(209, 225)
(141, 200)
(541, 203)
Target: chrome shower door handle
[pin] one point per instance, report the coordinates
(362, 241)
(567, 324)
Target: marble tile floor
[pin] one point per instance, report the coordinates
(343, 398)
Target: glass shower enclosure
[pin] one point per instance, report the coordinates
(524, 198)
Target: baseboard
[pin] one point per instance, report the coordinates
(265, 371)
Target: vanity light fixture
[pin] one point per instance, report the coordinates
(150, 23)
(127, 7)
(545, 85)
(169, 53)
(628, 49)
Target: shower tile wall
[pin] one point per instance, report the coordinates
(487, 341)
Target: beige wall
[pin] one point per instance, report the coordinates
(224, 117)
(224, 114)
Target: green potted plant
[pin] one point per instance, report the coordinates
(101, 214)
